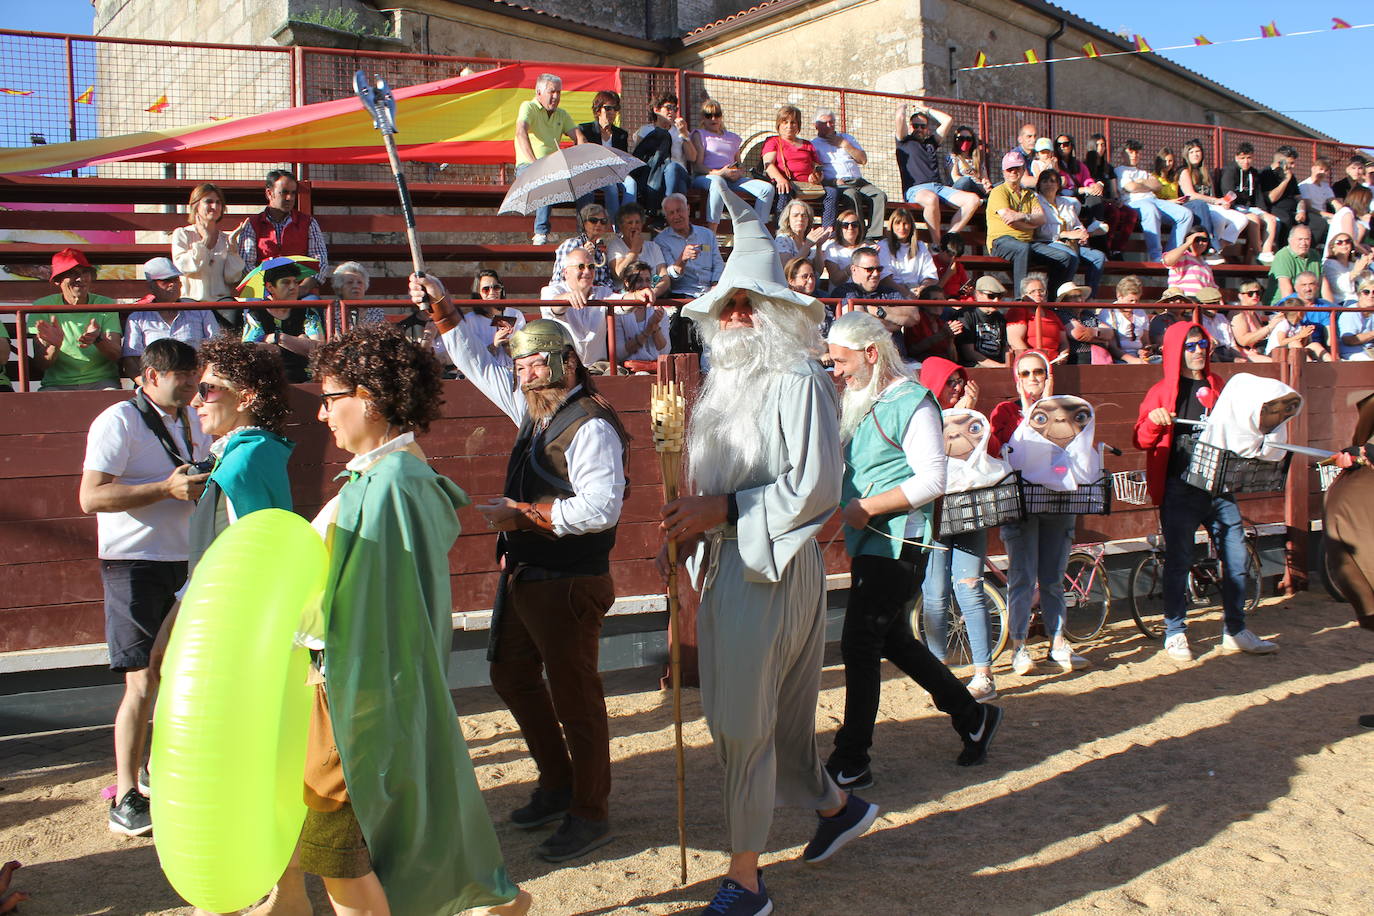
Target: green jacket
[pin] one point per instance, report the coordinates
(388, 636)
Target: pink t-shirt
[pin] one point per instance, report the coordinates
(1190, 274)
(799, 159)
(718, 150)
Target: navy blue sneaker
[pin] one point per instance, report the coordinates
(734, 899)
(833, 832)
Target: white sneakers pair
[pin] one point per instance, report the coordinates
(982, 688)
(1064, 657)
(1176, 646)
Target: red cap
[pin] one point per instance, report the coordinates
(65, 260)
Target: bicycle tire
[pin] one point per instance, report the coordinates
(1328, 580)
(1254, 584)
(957, 650)
(1086, 604)
(1147, 595)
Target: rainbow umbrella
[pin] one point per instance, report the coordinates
(253, 283)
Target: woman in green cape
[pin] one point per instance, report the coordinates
(396, 822)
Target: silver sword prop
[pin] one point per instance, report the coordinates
(1307, 450)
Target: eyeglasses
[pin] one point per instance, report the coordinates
(962, 137)
(849, 224)
(1063, 143)
(993, 297)
(597, 219)
(1032, 373)
(1341, 242)
(496, 288)
(920, 126)
(869, 270)
(1249, 292)
(711, 117)
(610, 107)
(1367, 292)
(580, 267)
(1193, 346)
(327, 398)
(208, 391)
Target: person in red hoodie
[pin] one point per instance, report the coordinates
(1037, 548)
(1187, 392)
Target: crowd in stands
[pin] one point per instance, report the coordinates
(1051, 215)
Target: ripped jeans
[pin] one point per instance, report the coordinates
(958, 566)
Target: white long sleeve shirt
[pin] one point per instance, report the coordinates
(595, 468)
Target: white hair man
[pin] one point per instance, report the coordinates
(539, 125)
(841, 159)
(557, 518)
(894, 470)
(764, 463)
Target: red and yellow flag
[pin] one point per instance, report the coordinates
(86, 97)
(1269, 31)
(159, 106)
(1032, 57)
(467, 119)
(16, 91)
(1090, 49)
(1339, 23)
(980, 61)
(1201, 40)
(1142, 45)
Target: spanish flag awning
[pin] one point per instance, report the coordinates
(468, 119)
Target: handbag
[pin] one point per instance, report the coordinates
(801, 190)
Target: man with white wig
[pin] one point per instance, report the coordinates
(894, 457)
(764, 463)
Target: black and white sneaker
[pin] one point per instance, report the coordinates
(130, 816)
(833, 832)
(850, 780)
(734, 899)
(976, 742)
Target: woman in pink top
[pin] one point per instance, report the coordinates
(788, 158)
(718, 167)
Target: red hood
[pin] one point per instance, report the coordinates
(1173, 362)
(935, 373)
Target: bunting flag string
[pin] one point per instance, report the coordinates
(1142, 46)
(87, 97)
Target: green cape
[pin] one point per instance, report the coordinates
(387, 643)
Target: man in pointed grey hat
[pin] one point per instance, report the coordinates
(565, 486)
(764, 463)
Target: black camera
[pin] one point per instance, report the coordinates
(203, 467)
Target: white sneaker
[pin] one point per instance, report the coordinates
(539, 238)
(1067, 659)
(1246, 641)
(982, 689)
(1177, 647)
(1021, 662)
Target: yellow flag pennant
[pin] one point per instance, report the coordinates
(1090, 49)
(980, 61)
(1142, 45)
(159, 106)
(1201, 41)
(1270, 31)
(1032, 57)
(86, 97)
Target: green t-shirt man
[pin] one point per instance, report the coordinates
(1287, 264)
(545, 128)
(74, 364)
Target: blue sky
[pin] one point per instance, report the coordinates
(1315, 79)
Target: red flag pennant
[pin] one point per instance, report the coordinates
(159, 106)
(16, 91)
(1339, 23)
(1201, 40)
(86, 97)
(1269, 31)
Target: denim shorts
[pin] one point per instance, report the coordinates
(943, 191)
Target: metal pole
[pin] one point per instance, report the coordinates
(71, 96)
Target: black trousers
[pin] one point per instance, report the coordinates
(877, 625)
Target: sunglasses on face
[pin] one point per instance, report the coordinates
(600, 220)
(1194, 346)
(1064, 142)
(1341, 242)
(1249, 292)
(610, 107)
(580, 267)
(208, 391)
(848, 224)
(1367, 292)
(491, 289)
(1032, 373)
(711, 117)
(869, 270)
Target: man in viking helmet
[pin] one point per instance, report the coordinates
(557, 517)
(763, 455)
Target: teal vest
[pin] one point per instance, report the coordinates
(874, 463)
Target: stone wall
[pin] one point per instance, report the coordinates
(220, 21)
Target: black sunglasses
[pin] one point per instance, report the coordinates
(491, 289)
(597, 219)
(205, 389)
(849, 224)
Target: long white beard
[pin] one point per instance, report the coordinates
(855, 403)
(732, 421)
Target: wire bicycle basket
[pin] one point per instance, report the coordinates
(1217, 470)
(984, 507)
(1130, 488)
(1089, 499)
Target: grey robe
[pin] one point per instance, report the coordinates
(761, 625)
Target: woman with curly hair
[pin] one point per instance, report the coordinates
(395, 820)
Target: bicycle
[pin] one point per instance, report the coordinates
(1205, 576)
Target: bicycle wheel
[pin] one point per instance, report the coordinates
(1147, 595)
(957, 650)
(1254, 585)
(1087, 597)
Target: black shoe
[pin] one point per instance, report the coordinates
(130, 817)
(734, 899)
(976, 742)
(574, 837)
(546, 806)
(850, 780)
(1367, 721)
(833, 832)
(145, 782)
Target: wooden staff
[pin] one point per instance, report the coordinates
(668, 412)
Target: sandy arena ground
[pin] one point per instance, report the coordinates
(1233, 785)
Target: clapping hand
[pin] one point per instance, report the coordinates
(50, 333)
(92, 333)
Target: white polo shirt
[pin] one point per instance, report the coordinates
(121, 444)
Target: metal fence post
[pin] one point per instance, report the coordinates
(1296, 517)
